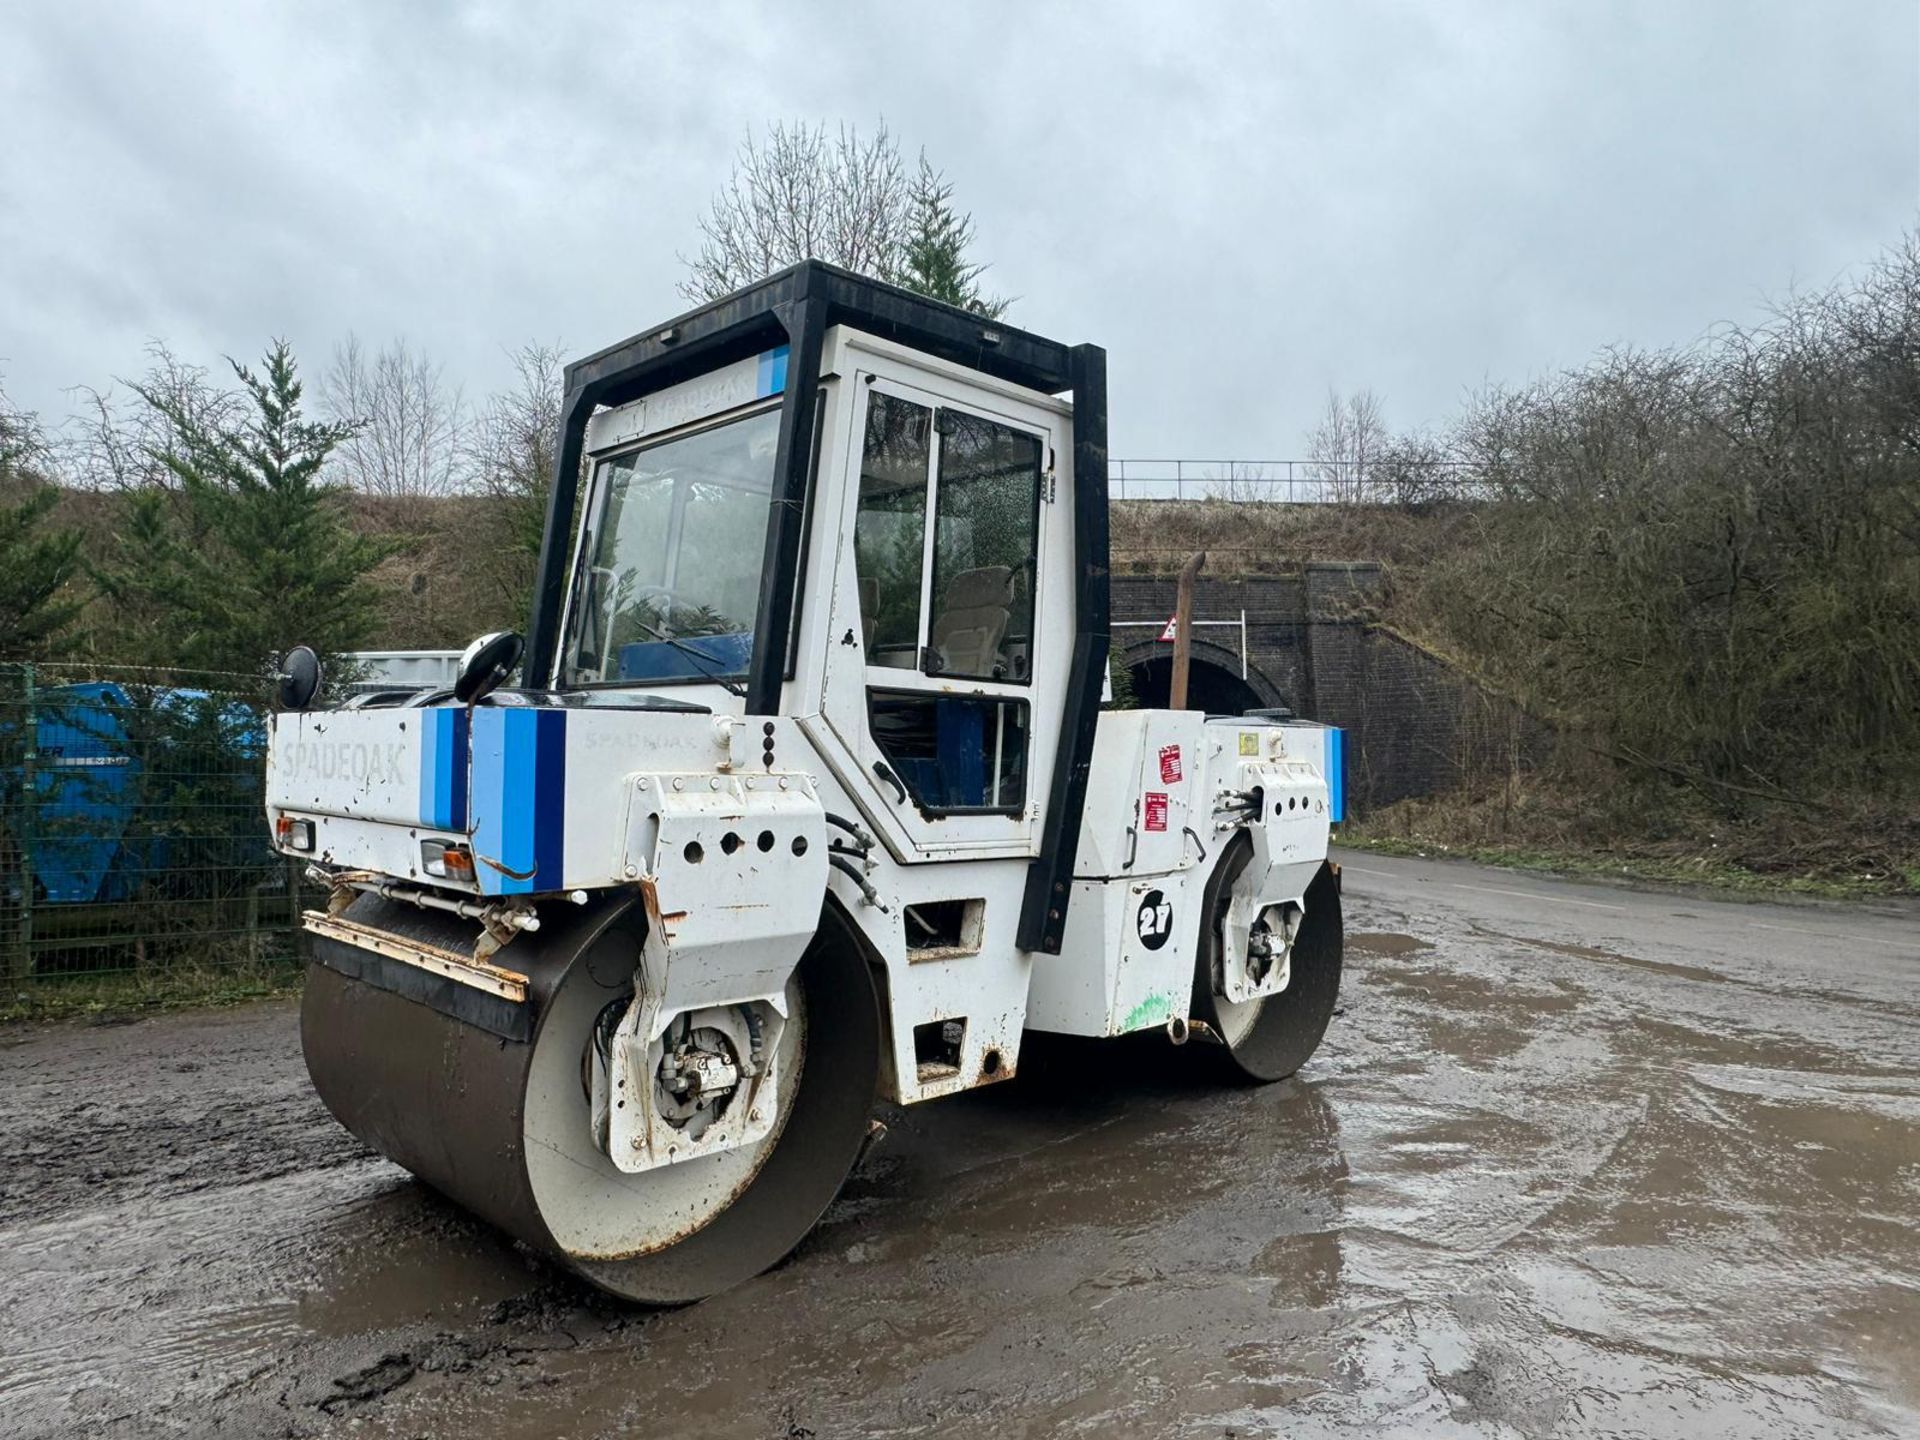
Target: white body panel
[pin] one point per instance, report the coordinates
(1146, 801)
(540, 793)
(834, 677)
(731, 868)
(1131, 946)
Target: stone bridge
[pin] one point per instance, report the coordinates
(1415, 725)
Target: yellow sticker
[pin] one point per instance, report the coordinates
(1249, 743)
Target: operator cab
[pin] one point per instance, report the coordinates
(943, 492)
(929, 603)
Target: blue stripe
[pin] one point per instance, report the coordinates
(443, 769)
(454, 766)
(519, 799)
(488, 791)
(550, 793)
(517, 793)
(429, 766)
(1336, 774)
(772, 375)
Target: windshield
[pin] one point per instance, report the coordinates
(671, 580)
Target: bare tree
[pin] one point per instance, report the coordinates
(804, 193)
(408, 440)
(124, 442)
(1705, 563)
(1345, 445)
(1413, 471)
(509, 458)
(23, 443)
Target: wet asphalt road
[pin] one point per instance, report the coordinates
(1574, 1161)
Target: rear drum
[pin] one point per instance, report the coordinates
(1271, 1037)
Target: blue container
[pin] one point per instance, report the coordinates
(87, 838)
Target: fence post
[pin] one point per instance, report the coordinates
(29, 806)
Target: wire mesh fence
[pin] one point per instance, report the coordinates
(132, 830)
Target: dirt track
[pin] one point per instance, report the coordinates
(1575, 1161)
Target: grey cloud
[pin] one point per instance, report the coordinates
(1245, 203)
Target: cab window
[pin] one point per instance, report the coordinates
(671, 582)
(889, 534)
(986, 523)
(958, 601)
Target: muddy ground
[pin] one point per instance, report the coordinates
(1575, 1161)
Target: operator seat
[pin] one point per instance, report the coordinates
(972, 622)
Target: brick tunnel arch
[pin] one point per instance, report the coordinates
(1213, 678)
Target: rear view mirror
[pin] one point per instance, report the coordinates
(486, 664)
(299, 678)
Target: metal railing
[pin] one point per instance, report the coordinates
(1292, 482)
(132, 827)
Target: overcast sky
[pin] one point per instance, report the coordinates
(1246, 204)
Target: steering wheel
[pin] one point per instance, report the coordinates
(663, 598)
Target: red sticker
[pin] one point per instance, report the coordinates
(1169, 764)
(1156, 810)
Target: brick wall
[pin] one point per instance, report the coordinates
(1415, 724)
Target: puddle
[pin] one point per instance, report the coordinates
(1380, 942)
(1594, 952)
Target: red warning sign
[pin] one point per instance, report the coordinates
(1156, 810)
(1169, 764)
(1171, 630)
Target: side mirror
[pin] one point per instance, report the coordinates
(487, 663)
(299, 678)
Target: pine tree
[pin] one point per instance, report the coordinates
(254, 552)
(38, 563)
(935, 260)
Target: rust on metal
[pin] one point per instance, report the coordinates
(1183, 631)
(650, 902)
(506, 870)
(507, 984)
(1200, 1030)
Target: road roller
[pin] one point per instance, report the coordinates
(799, 794)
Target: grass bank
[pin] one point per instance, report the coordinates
(107, 997)
(1854, 848)
(1697, 873)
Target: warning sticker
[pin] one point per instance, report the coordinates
(1169, 764)
(1249, 742)
(1156, 810)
